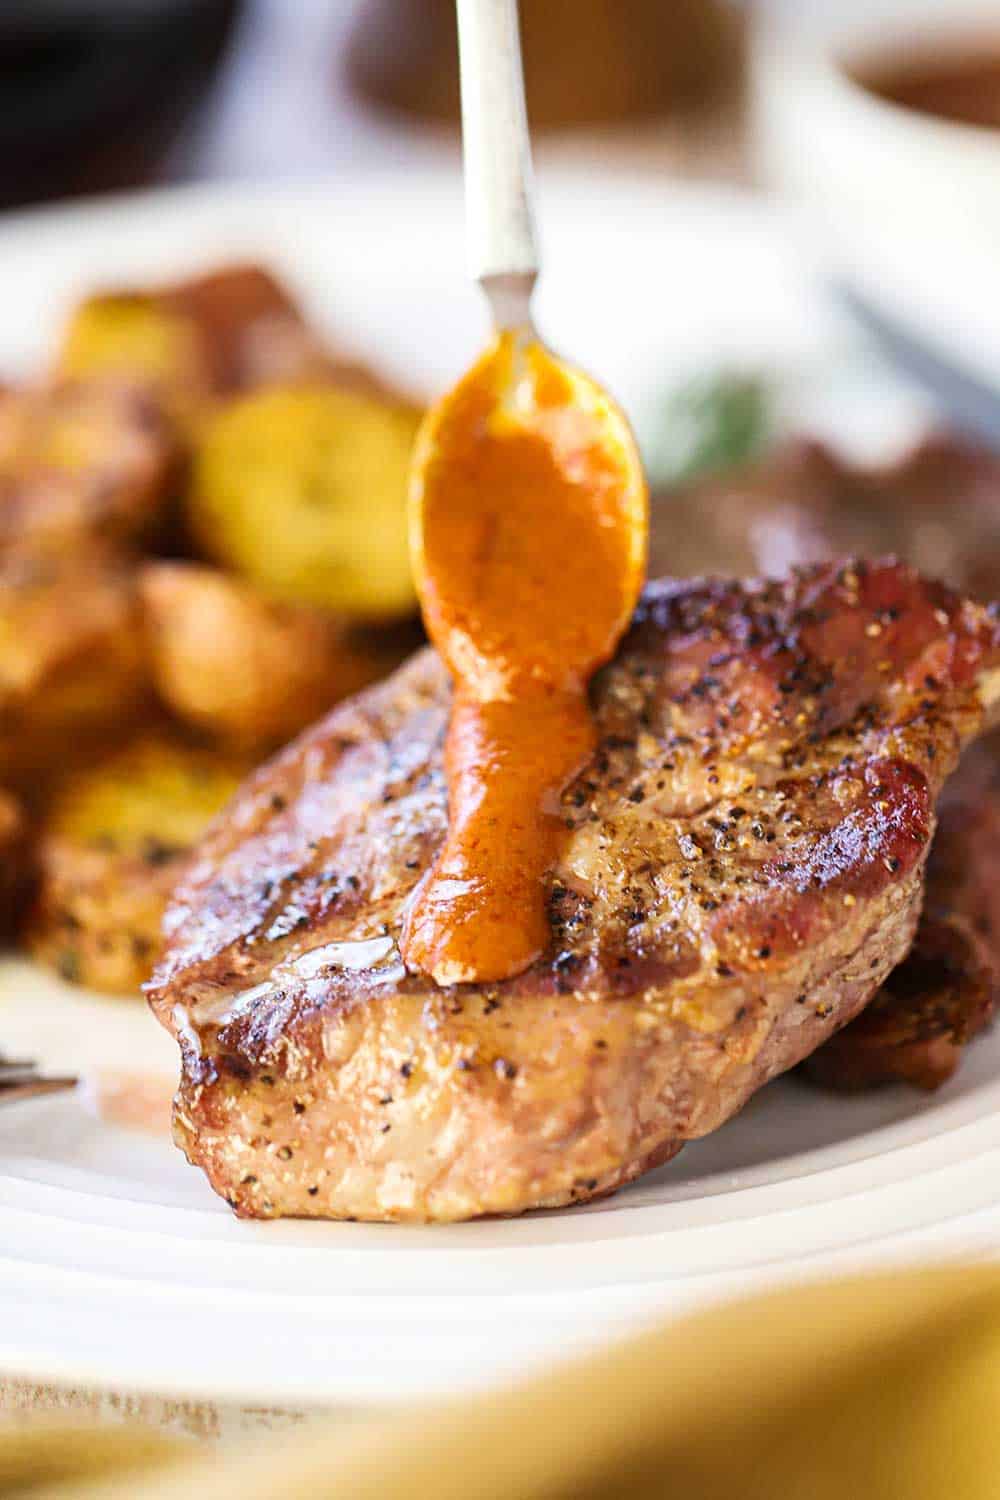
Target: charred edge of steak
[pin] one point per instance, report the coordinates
(939, 998)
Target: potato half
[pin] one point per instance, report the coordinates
(230, 330)
(109, 853)
(246, 669)
(73, 662)
(303, 490)
(82, 459)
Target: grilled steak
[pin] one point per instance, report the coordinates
(946, 990)
(939, 508)
(940, 997)
(743, 867)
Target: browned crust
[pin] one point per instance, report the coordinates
(240, 328)
(416, 1109)
(242, 667)
(72, 658)
(945, 992)
(82, 460)
(743, 868)
(939, 998)
(250, 329)
(939, 505)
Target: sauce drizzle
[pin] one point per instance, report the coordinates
(529, 526)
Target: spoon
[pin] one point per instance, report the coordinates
(528, 527)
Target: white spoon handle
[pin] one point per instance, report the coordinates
(500, 219)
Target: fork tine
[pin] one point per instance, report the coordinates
(20, 1079)
(29, 1088)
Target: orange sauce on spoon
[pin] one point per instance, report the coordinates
(529, 521)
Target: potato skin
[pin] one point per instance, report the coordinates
(82, 459)
(303, 490)
(72, 657)
(131, 335)
(244, 668)
(109, 853)
(230, 330)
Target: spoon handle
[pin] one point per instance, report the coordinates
(500, 219)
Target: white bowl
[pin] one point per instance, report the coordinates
(902, 207)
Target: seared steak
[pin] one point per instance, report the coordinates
(946, 990)
(743, 867)
(939, 509)
(939, 998)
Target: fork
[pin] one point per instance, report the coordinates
(22, 1080)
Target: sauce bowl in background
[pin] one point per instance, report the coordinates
(901, 202)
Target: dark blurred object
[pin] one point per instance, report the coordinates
(586, 61)
(93, 92)
(803, 502)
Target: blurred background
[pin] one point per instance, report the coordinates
(876, 116)
(99, 94)
(832, 104)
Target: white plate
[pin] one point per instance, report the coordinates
(901, 206)
(117, 1265)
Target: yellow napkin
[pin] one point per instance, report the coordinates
(877, 1388)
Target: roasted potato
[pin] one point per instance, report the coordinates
(231, 330)
(246, 669)
(73, 661)
(109, 852)
(303, 491)
(82, 459)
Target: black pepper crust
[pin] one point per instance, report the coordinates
(939, 505)
(742, 869)
(946, 991)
